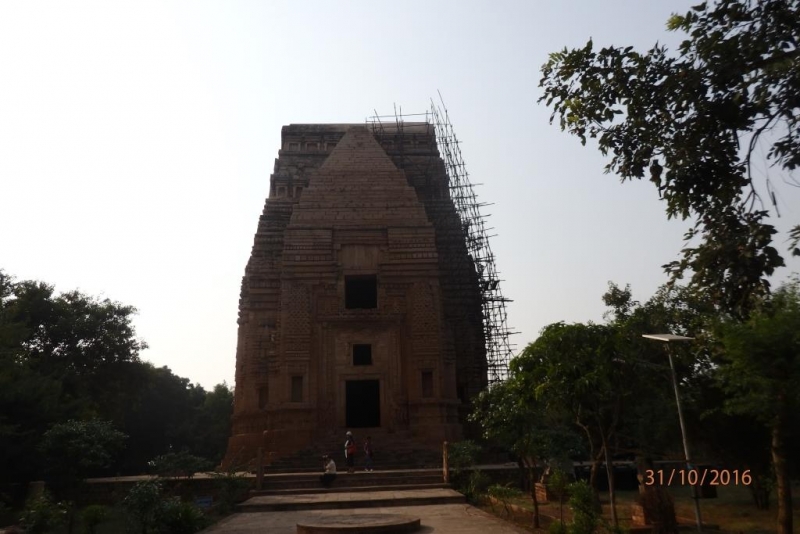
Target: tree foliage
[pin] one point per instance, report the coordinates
(74, 357)
(691, 123)
(762, 356)
(75, 450)
(761, 375)
(510, 415)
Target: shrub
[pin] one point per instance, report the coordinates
(177, 517)
(93, 515)
(462, 455)
(503, 494)
(6, 513)
(42, 514)
(584, 513)
(475, 485)
(557, 527)
(558, 483)
(153, 512)
(178, 464)
(232, 487)
(142, 503)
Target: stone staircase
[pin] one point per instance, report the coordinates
(297, 483)
(303, 491)
(392, 451)
(406, 474)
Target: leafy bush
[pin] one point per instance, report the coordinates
(152, 512)
(142, 503)
(558, 483)
(92, 516)
(75, 449)
(503, 494)
(462, 455)
(232, 487)
(584, 513)
(557, 527)
(177, 517)
(475, 485)
(6, 513)
(42, 514)
(179, 464)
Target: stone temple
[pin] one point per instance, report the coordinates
(360, 307)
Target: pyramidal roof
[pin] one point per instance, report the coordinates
(358, 185)
(357, 150)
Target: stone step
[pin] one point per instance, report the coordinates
(348, 500)
(361, 473)
(351, 480)
(359, 468)
(345, 489)
(394, 453)
(384, 462)
(344, 481)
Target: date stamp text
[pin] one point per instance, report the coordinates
(691, 477)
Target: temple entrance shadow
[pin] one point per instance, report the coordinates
(363, 403)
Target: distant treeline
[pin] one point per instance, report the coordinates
(73, 356)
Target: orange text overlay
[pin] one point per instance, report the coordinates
(683, 477)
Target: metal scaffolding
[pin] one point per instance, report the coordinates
(436, 120)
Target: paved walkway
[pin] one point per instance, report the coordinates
(438, 518)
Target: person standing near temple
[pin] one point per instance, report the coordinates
(368, 454)
(350, 452)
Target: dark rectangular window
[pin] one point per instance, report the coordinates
(263, 397)
(361, 292)
(427, 384)
(362, 354)
(297, 389)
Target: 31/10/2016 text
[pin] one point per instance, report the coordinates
(682, 477)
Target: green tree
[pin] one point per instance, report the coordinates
(510, 415)
(651, 423)
(62, 357)
(579, 369)
(212, 426)
(762, 378)
(585, 516)
(167, 413)
(74, 450)
(143, 504)
(680, 120)
(72, 356)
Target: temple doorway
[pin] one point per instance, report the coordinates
(362, 403)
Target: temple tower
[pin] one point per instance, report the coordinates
(360, 306)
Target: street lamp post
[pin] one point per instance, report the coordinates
(671, 338)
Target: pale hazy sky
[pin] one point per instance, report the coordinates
(137, 140)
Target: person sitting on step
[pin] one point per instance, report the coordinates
(330, 471)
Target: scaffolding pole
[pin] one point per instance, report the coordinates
(499, 350)
(495, 318)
